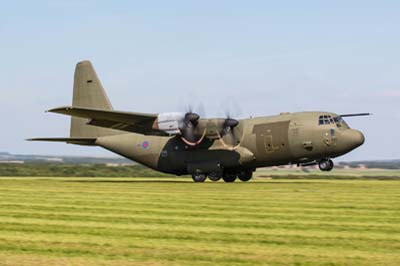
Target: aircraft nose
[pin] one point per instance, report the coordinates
(353, 138)
(359, 138)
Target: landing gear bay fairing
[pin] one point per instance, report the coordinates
(185, 143)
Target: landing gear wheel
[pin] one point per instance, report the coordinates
(214, 177)
(331, 165)
(229, 177)
(245, 175)
(326, 165)
(199, 177)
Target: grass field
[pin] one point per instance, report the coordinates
(136, 221)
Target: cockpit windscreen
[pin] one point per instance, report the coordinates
(328, 119)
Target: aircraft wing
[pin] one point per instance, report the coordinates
(125, 121)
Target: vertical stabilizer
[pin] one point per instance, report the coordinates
(89, 93)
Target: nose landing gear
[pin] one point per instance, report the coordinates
(326, 165)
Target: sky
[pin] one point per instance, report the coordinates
(246, 58)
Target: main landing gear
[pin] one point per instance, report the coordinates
(199, 178)
(228, 177)
(326, 165)
(214, 176)
(245, 175)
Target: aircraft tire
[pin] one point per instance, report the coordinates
(331, 165)
(229, 177)
(245, 175)
(214, 177)
(199, 178)
(326, 165)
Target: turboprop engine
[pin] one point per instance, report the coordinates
(193, 130)
(184, 124)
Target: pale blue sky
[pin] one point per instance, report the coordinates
(154, 56)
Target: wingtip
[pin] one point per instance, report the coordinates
(57, 109)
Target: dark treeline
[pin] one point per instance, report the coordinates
(395, 164)
(76, 170)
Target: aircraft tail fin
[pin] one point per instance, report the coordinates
(88, 92)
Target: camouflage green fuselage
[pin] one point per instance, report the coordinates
(289, 138)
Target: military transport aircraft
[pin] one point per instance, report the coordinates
(185, 143)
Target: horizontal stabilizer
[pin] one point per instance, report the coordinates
(79, 141)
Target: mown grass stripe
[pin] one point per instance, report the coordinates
(101, 221)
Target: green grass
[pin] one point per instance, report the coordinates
(171, 221)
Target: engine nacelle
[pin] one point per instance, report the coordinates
(169, 123)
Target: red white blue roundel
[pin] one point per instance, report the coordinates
(145, 144)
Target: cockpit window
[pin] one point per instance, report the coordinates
(340, 122)
(336, 120)
(325, 120)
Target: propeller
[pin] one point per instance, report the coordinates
(230, 131)
(230, 124)
(198, 109)
(189, 130)
(193, 131)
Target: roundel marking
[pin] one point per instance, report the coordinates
(145, 144)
